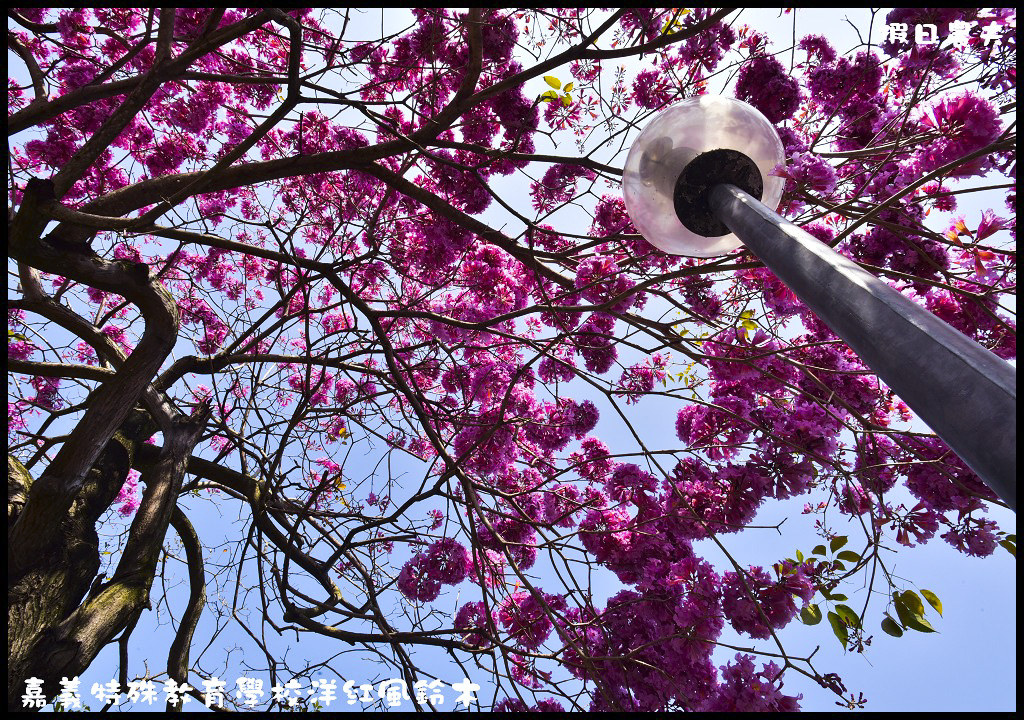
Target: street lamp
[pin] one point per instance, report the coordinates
(697, 182)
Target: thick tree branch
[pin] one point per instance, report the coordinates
(40, 111)
(109, 404)
(109, 608)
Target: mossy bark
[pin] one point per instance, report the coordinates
(60, 613)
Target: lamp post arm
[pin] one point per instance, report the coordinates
(961, 390)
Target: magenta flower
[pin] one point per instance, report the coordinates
(766, 85)
(471, 621)
(416, 582)
(129, 496)
(744, 690)
(447, 562)
(965, 123)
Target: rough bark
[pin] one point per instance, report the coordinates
(60, 614)
(53, 546)
(61, 576)
(56, 490)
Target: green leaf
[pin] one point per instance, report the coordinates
(848, 615)
(849, 556)
(799, 556)
(909, 618)
(810, 615)
(1010, 546)
(818, 550)
(913, 602)
(747, 322)
(933, 600)
(839, 628)
(16, 336)
(549, 95)
(566, 100)
(891, 627)
(838, 596)
(838, 565)
(838, 542)
(553, 82)
(568, 88)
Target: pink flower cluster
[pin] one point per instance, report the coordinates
(809, 172)
(517, 705)
(755, 604)
(557, 423)
(599, 279)
(558, 185)
(651, 90)
(766, 85)
(638, 632)
(973, 537)
(527, 617)
(471, 620)
(639, 380)
(596, 343)
(445, 562)
(128, 496)
(47, 392)
(941, 480)
(743, 690)
(965, 123)
(20, 349)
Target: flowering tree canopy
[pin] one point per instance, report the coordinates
(378, 299)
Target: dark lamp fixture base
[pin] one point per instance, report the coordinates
(705, 171)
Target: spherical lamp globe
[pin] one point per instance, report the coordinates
(708, 131)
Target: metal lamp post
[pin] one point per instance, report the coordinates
(697, 182)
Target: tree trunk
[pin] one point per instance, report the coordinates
(60, 615)
(54, 587)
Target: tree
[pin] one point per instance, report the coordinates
(270, 267)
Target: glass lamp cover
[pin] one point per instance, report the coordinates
(673, 138)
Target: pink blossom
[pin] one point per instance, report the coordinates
(651, 90)
(595, 343)
(527, 618)
(818, 47)
(166, 157)
(973, 537)
(20, 349)
(946, 485)
(810, 172)
(129, 494)
(47, 392)
(447, 562)
(562, 505)
(965, 123)
(744, 690)
(766, 85)
(15, 417)
(627, 482)
(773, 605)
(415, 581)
